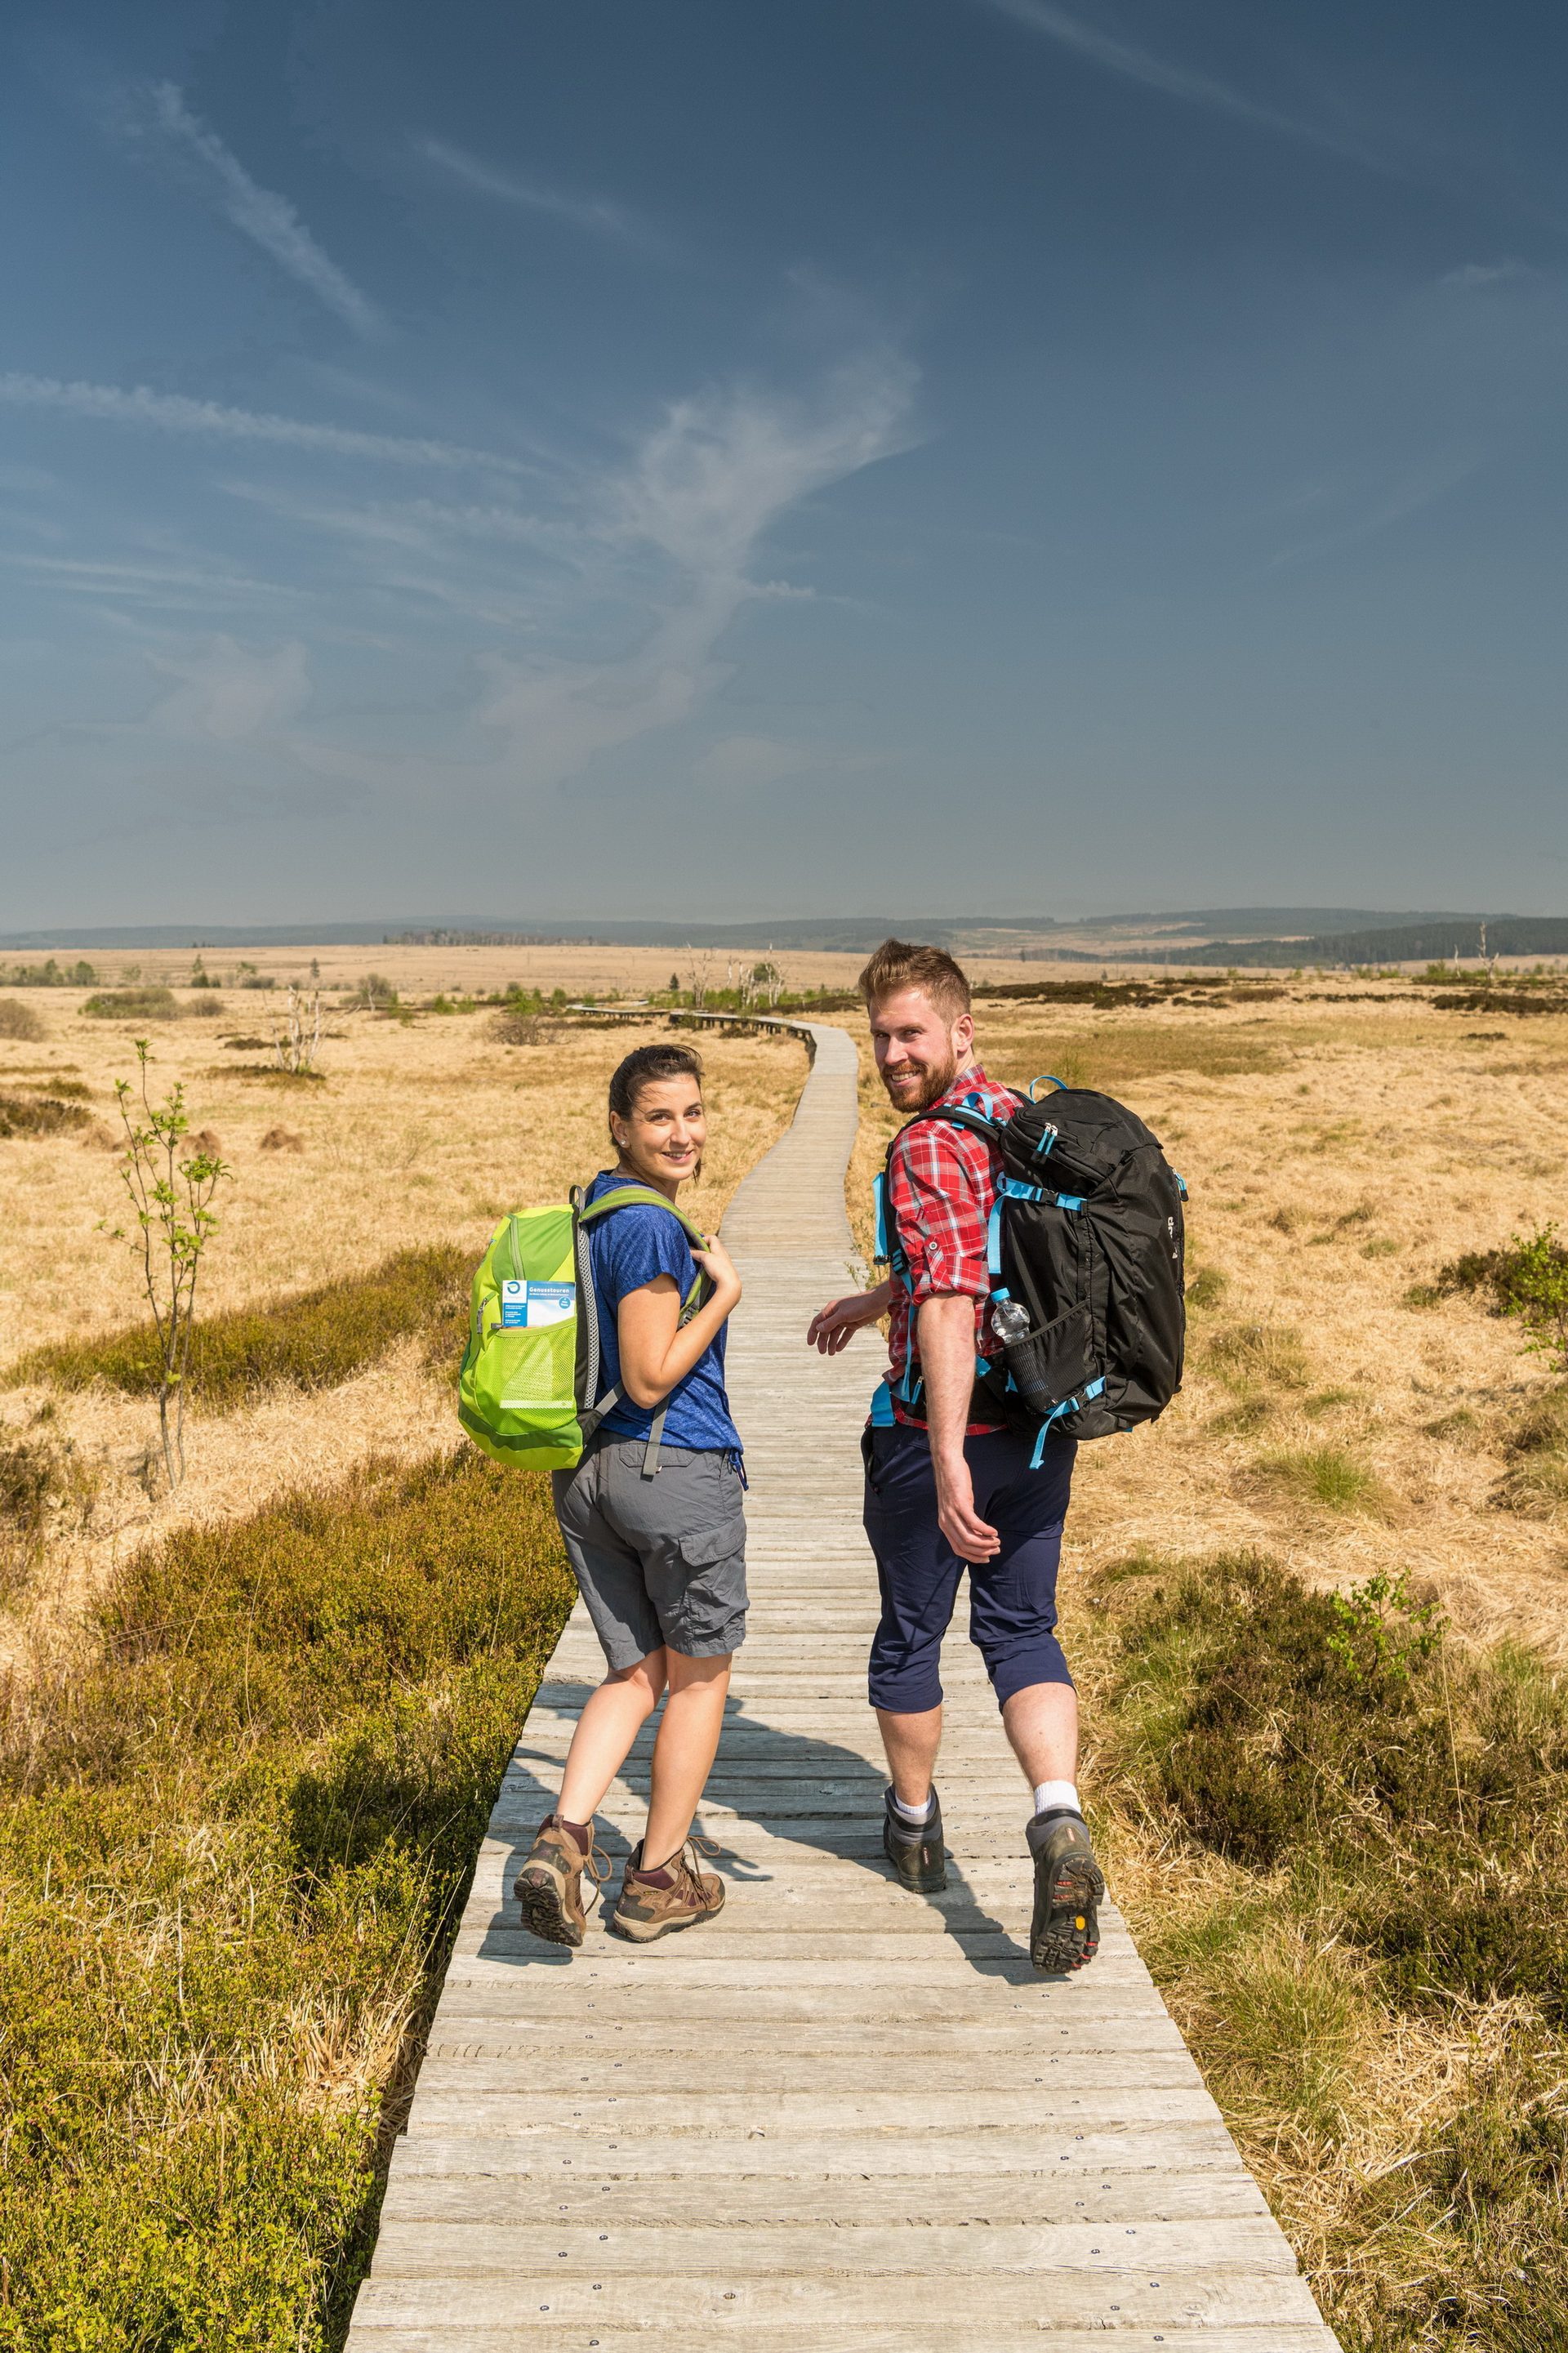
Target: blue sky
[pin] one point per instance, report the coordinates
(704, 459)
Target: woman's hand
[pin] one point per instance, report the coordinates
(719, 1268)
(835, 1325)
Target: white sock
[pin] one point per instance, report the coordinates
(1052, 1796)
(914, 1813)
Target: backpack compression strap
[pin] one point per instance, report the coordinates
(627, 1196)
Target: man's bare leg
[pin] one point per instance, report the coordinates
(912, 1742)
(1041, 1723)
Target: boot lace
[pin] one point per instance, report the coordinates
(690, 1870)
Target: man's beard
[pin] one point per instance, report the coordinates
(933, 1088)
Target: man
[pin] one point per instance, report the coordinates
(949, 1487)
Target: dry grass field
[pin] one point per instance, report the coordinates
(1340, 1834)
(421, 1129)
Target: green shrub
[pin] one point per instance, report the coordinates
(235, 1841)
(1423, 1793)
(146, 1004)
(19, 1021)
(312, 1341)
(39, 1115)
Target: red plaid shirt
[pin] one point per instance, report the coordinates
(942, 1183)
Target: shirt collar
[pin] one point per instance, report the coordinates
(970, 1081)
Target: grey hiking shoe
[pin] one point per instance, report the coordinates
(548, 1887)
(1068, 1888)
(677, 1895)
(916, 1852)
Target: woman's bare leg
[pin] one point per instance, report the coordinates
(609, 1724)
(684, 1752)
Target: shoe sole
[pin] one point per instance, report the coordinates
(544, 1914)
(638, 1932)
(1070, 1936)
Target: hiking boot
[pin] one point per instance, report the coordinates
(548, 1887)
(916, 1852)
(654, 1902)
(1068, 1887)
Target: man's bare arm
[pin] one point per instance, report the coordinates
(946, 1328)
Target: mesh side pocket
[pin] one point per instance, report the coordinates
(1051, 1364)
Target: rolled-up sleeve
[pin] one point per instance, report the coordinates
(938, 1202)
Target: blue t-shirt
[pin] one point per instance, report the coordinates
(628, 1249)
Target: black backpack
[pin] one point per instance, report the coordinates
(1087, 1241)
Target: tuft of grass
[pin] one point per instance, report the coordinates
(145, 1004)
(19, 1021)
(1248, 1357)
(39, 1115)
(235, 1836)
(1325, 1478)
(312, 1341)
(1207, 1287)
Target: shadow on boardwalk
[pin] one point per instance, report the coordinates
(828, 1797)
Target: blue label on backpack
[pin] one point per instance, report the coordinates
(531, 1305)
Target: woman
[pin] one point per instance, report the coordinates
(653, 1525)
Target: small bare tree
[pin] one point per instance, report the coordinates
(700, 973)
(170, 1189)
(766, 980)
(298, 1042)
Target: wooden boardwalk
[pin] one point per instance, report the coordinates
(840, 2115)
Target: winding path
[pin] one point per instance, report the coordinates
(840, 2115)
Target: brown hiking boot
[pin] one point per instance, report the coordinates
(548, 1887)
(677, 1895)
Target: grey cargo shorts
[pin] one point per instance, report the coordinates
(659, 1560)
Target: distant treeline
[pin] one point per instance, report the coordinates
(50, 975)
(1508, 936)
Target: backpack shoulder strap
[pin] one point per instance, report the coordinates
(632, 1197)
(643, 1196)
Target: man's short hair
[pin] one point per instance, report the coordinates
(899, 963)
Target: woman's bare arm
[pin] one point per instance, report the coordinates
(656, 1349)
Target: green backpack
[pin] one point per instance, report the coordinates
(528, 1393)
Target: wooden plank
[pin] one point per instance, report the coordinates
(425, 2249)
(756, 2202)
(744, 2299)
(909, 2333)
(718, 2141)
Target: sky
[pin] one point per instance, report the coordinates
(687, 461)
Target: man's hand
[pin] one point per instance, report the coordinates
(971, 1538)
(835, 1325)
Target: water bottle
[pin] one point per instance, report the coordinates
(1009, 1321)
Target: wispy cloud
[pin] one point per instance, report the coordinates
(1472, 275)
(597, 214)
(1134, 63)
(226, 691)
(701, 491)
(1414, 489)
(174, 412)
(162, 583)
(661, 556)
(268, 220)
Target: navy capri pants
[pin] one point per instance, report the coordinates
(1012, 1598)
